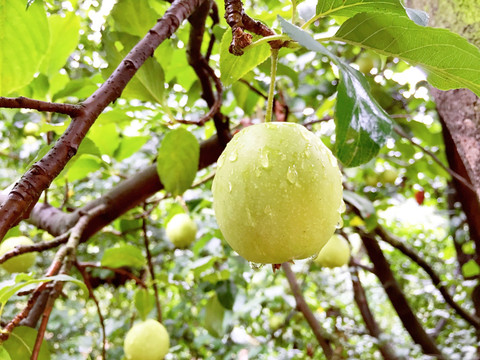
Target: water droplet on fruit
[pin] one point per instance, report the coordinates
(221, 160)
(340, 223)
(255, 266)
(284, 157)
(250, 219)
(307, 154)
(233, 156)
(229, 187)
(292, 174)
(342, 207)
(258, 172)
(268, 210)
(333, 160)
(264, 158)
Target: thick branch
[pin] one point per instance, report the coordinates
(27, 191)
(397, 298)
(303, 307)
(360, 298)
(398, 244)
(26, 103)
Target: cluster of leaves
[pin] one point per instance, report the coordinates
(214, 304)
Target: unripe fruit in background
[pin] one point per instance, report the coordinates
(389, 176)
(20, 263)
(147, 340)
(31, 128)
(181, 230)
(277, 193)
(365, 63)
(335, 253)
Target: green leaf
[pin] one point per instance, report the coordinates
(363, 205)
(349, 8)
(177, 161)
(144, 302)
(129, 145)
(4, 354)
(105, 137)
(24, 41)
(64, 36)
(226, 292)
(148, 82)
(362, 126)
(123, 255)
(21, 342)
(449, 60)
(79, 88)
(133, 17)
(82, 166)
(470, 268)
(214, 314)
(234, 67)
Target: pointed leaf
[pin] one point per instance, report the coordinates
(24, 40)
(21, 342)
(133, 17)
(449, 60)
(226, 292)
(4, 354)
(177, 161)
(144, 302)
(123, 255)
(362, 126)
(234, 67)
(214, 314)
(64, 36)
(470, 268)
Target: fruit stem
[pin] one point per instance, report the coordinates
(294, 11)
(271, 91)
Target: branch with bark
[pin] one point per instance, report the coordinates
(27, 191)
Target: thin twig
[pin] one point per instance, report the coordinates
(151, 269)
(464, 181)
(40, 246)
(26, 103)
(120, 271)
(307, 313)
(86, 280)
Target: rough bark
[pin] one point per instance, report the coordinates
(27, 191)
(397, 298)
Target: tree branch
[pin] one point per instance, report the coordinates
(398, 244)
(27, 191)
(303, 307)
(26, 103)
(360, 298)
(397, 298)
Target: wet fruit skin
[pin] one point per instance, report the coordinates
(20, 263)
(181, 230)
(147, 340)
(335, 253)
(277, 193)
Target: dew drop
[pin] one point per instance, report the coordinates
(307, 154)
(255, 266)
(221, 160)
(229, 187)
(264, 159)
(250, 219)
(333, 161)
(342, 207)
(268, 210)
(292, 174)
(340, 223)
(233, 156)
(284, 157)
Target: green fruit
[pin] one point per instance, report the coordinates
(277, 193)
(31, 128)
(365, 63)
(275, 321)
(20, 263)
(371, 180)
(147, 340)
(181, 230)
(335, 253)
(389, 176)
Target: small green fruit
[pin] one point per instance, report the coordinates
(277, 193)
(335, 253)
(181, 230)
(20, 263)
(275, 321)
(389, 176)
(371, 180)
(365, 63)
(31, 128)
(147, 340)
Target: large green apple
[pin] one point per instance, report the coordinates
(181, 230)
(277, 193)
(335, 253)
(20, 263)
(147, 340)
